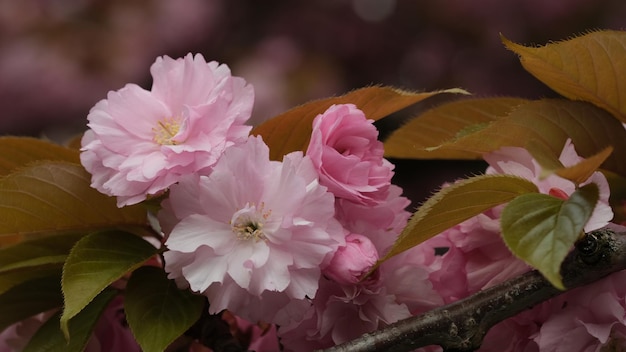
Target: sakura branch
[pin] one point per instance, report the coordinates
(462, 325)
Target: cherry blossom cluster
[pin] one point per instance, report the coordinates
(283, 242)
(287, 247)
(288, 242)
(590, 318)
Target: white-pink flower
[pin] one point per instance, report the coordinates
(346, 151)
(141, 142)
(254, 228)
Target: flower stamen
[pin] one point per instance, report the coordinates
(247, 223)
(166, 130)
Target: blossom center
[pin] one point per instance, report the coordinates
(247, 223)
(166, 130)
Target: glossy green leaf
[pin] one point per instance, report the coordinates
(49, 337)
(457, 203)
(291, 130)
(547, 124)
(16, 152)
(541, 229)
(55, 197)
(95, 262)
(152, 297)
(589, 68)
(31, 259)
(444, 123)
(30, 298)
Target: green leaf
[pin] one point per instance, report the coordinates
(31, 259)
(152, 297)
(291, 131)
(30, 298)
(444, 123)
(56, 197)
(589, 68)
(95, 262)
(541, 229)
(547, 124)
(49, 337)
(19, 151)
(457, 203)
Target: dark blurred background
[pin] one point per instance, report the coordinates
(59, 57)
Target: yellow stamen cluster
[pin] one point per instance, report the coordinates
(165, 131)
(248, 227)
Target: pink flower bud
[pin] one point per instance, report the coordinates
(351, 262)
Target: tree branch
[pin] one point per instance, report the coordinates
(462, 325)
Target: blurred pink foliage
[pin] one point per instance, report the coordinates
(57, 58)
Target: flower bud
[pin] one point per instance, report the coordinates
(354, 260)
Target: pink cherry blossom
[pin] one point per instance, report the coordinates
(262, 338)
(592, 317)
(476, 258)
(349, 157)
(353, 260)
(141, 142)
(111, 332)
(381, 223)
(519, 162)
(15, 337)
(340, 312)
(263, 228)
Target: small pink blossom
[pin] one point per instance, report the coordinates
(348, 156)
(111, 332)
(476, 258)
(15, 337)
(262, 338)
(381, 223)
(141, 142)
(340, 312)
(353, 260)
(518, 161)
(592, 317)
(262, 228)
